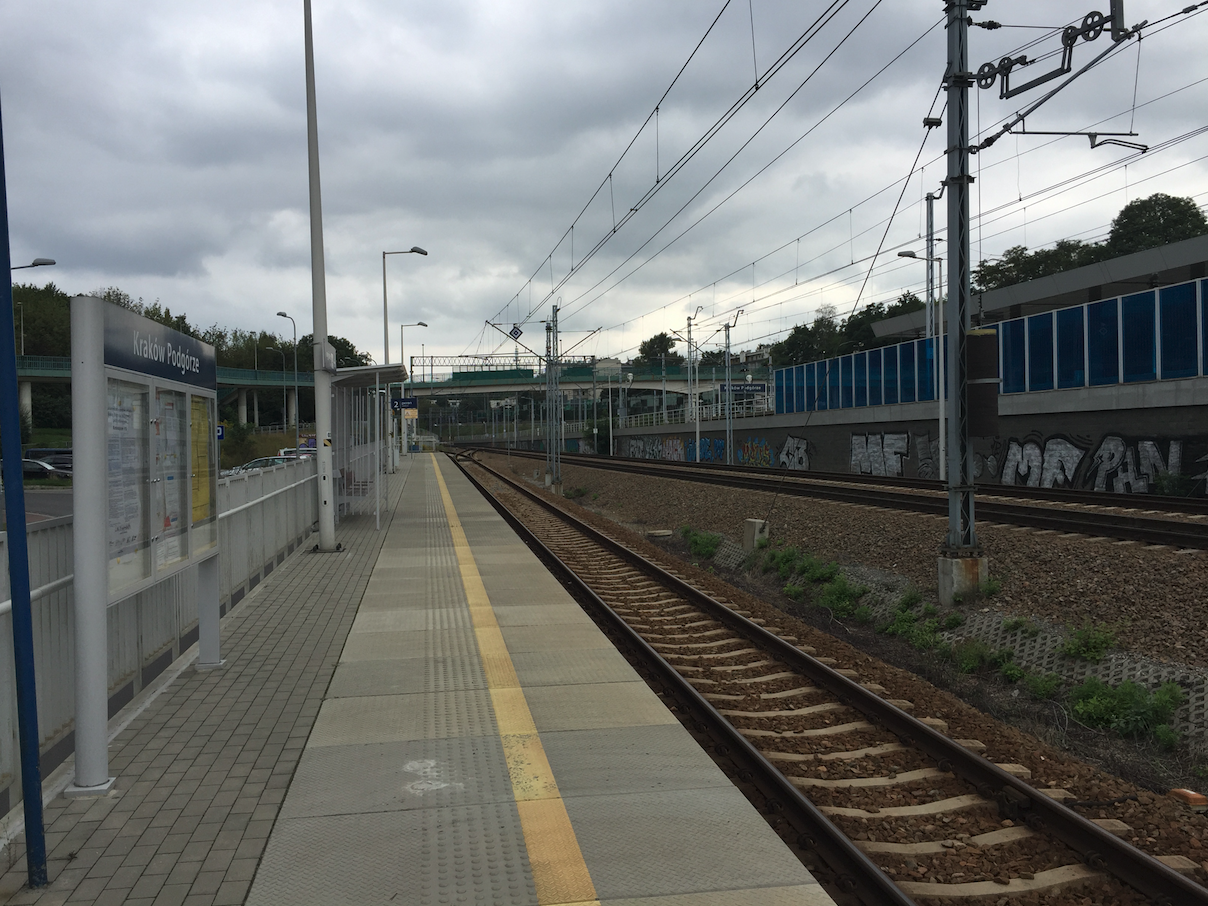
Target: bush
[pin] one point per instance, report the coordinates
(1128, 709)
(789, 562)
(907, 626)
(952, 621)
(840, 596)
(796, 592)
(1044, 687)
(701, 544)
(863, 615)
(991, 587)
(929, 610)
(910, 598)
(1090, 643)
(1012, 672)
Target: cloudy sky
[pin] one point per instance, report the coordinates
(161, 148)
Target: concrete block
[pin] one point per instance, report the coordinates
(753, 531)
(961, 577)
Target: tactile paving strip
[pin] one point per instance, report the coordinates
(422, 773)
(394, 718)
(468, 854)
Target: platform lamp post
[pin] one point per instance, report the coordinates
(38, 262)
(414, 250)
(297, 406)
(935, 329)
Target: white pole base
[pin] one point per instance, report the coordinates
(90, 792)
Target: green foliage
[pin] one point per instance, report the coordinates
(652, 351)
(1170, 485)
(991, 587)
(1128, 709)
(701, 544)
(839, 596)
(796, 592)
(789, 562)
(906, 625)
(1019, 624)
(1012, 672)
(910, 598)
(575, 493)
(239, 444)
(930, 610)
(1142, 224)
(1044, 687)
(952, 621)
(975, 656)
(828, 336)
(1090, 643)
(27, 427)
(863, 615)
(1167, 737)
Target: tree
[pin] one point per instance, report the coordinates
(1157, 220)
(652, 351)
(1142, 224)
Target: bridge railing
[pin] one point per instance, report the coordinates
(706, 412)
(263, 516)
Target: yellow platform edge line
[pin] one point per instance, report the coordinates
(560, 874)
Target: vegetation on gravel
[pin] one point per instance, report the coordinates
(701, 544)
(1043, 688)
(1090, 643)
(1019, 624)
(839, 596)
(1128, 709)
(975, 656)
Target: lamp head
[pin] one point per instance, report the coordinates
(421, 323)
(908, 254)
(282, 314)
(416, 250)
(42, 262)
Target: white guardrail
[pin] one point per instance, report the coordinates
(263, 517)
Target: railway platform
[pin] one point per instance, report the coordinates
(426, 718)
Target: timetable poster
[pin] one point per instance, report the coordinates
(127, 460)
(171, 468)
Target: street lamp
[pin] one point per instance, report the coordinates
(38, 262)
(297, 407)
(414, 250)
(935, 330)
(406, 377)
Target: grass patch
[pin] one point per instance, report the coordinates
(47, 482)
(863, 615)
(1128, 709)
(975, 656)
(906, 625)
(1012, 672)
(839, 597)
(953, 621)
(575, 493)
(1043, 688)
(1090, 643)
(910, 599)
(701, 544)
(790, 563)
(1019, 624)
(991, 587)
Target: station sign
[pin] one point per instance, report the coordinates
(405, 402)
(739, 388)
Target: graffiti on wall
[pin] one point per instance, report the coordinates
(711, 450)
(754, 451)
(1114, 462)
(879, 454)
(795, 454)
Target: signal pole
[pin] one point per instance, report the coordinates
(962, 564)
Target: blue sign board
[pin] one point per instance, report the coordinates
(222, 432)
(405, 402)
(137, 344)
(754, 387)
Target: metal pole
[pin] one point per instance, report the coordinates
(318, 290)
(935, 326)
(377, 451)
(729, 405)
(385, 322)
(962, 536)
(404, 446)
(18, 567)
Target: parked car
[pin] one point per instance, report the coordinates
(264, 462)
(36, 468)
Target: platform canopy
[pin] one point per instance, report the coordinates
(370, 375)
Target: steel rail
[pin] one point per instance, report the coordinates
(1017, 800)
(1128, 526)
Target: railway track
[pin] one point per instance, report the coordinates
(1119, 516)
(896, 810)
